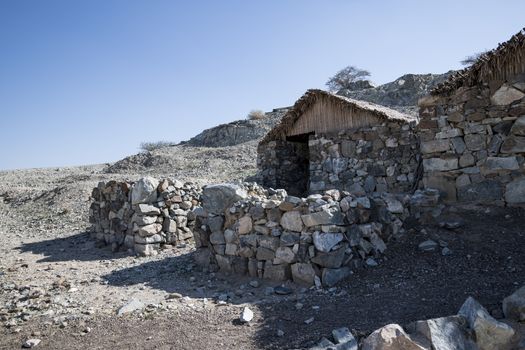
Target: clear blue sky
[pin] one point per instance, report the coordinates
(85, 82)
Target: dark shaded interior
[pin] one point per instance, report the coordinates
(297, 166)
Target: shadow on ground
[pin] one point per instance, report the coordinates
(77, 246)
(408, 285)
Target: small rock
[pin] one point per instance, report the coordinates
(428, 245)
(130, 306)
(282, 290)
(371, 262)
(446, 251)
(280, 333)
(30, 343)
(246, 315)
(343, 335)
(308, 321)
(254, 284)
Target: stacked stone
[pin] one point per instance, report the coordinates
(319, 238)
(145, 215)
(381, 158)
(473, 143)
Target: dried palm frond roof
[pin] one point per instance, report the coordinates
(313, 95)
(506, 60)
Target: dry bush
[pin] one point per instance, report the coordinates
(151, 146)
(256, 114)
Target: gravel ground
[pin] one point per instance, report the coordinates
(58, 286)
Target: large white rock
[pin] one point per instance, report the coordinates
(444, 333)
(291, 220)
(390, 337)
(130, 306)
(505, 95)
(514, 305)
(490, 333)
(144, 190)
(246, 315)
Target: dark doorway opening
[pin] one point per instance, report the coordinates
(297, 172)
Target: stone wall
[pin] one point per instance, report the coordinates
(473, 143)
(145, 215)
(321, 238)
(381, 158)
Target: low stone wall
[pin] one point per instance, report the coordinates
(473, 143)
(145, 215)
(381, 158)
(320, 238)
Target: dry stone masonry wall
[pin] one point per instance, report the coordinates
(381, 158)
(145, 215)
(318, 239)
(473, 143)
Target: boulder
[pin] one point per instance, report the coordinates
(490, 333)
(130, 306)
(324, 242)
(303, 273)
(440, 164)
(485, 191)
(324, 217)
(495, 164)
(244, 225)
(217, 198)
(144, 190)
(331, 277)
(390, 337)
(518, 128)
(333, 259)
(435, 146)
(505, 95)
(148, 209)
(513, 144)
(444, 333)
(284, 255)
(514, 305)
(276, 272)
(291, 220)
(150, 230)
(515, 191)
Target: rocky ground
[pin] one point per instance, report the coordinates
(57, 286)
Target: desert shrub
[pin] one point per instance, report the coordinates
(151, 146)
(256, 114)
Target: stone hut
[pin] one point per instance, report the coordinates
(472, 130)
(328, 141)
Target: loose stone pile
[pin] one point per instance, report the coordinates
(471, 328)
(144, 215)
(473, 143)
(311, 240)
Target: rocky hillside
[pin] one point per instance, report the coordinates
(401, 94)
(238, 131)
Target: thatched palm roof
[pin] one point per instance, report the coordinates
(313, 95)
(506, 60)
